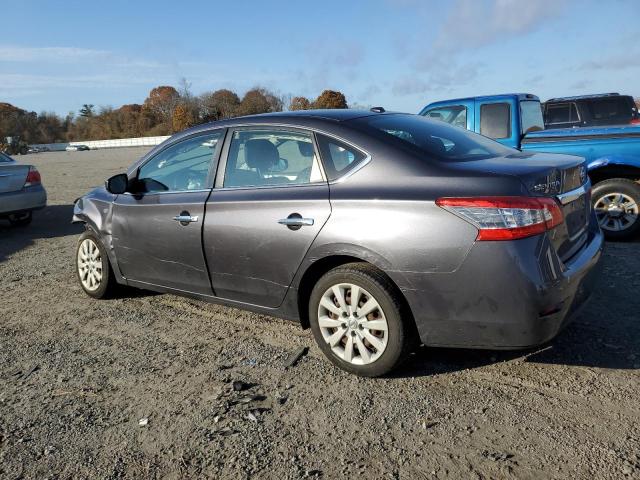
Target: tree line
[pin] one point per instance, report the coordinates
(166, 110)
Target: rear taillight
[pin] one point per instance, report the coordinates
(33, 177)
(635, 121)
(506, 218)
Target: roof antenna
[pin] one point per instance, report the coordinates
(378, 110)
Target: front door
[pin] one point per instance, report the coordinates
(272, 200)
(157, 228)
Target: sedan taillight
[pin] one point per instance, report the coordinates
(33, 177)
(506, 218)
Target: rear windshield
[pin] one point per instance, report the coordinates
(432, 137)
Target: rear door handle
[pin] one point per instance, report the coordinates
(184, 218)
(295, 221)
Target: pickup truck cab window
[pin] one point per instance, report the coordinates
(455, 115)
(562, 113)
(181, 167)
(265, 157)
(495, 120)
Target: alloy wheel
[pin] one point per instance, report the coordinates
(90, 265)
(353, 324)
(616, 211)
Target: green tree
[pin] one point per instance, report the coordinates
(86, 110)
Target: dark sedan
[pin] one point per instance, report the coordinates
(379, 231)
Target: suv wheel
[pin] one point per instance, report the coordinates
(93, 268)
(356, 319)
(617, 206)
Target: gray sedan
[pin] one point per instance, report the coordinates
(21, 191)
(378, 231)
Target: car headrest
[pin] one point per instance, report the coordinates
(261, 154)
(306, 149)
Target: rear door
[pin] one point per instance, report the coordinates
(157, 229)
(12, 174)
(271, 200)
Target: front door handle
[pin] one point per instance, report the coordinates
(185, 218)
(295, 221)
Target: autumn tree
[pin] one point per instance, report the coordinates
(219, 105)
(182, 118)
(300, 103)
(260, 100)
(161, 103)
(330, 99)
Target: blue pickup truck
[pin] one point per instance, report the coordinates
(612, 153)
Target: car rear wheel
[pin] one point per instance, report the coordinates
(93, 268)
(357, 319)
(21, 219)
(617, 206)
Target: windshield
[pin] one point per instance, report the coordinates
(531, 114)
(435, 138)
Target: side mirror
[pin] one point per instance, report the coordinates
(117, 184)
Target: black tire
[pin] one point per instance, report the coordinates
(107, 286)
(623, 186)
(401, 329)
(21, 219)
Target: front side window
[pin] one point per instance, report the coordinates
(433, 139)
(271, 158)
(455, 115)
(181, 167)
(495, 120)
(562, 113)
(531, 115)
(610, 110)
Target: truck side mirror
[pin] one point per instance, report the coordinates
(117, 184)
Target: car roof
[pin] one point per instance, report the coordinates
(338, 114)
(585, 97)
(481, 98)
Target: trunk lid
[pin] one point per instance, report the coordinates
(12, 177)
(563, 177)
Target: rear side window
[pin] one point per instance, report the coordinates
(338, 157)
(495, 120)
(610, 110)
(4, 158)
(561, 113)
(454, 115)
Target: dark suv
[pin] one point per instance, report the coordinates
(590, 110)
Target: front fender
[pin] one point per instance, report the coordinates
(95, 210)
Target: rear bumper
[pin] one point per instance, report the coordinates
(506, 295)
(25, 200)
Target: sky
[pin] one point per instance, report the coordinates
(399, 54)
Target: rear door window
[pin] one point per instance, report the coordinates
(495, 120)
(338, 157)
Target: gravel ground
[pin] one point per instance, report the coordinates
(143, 386)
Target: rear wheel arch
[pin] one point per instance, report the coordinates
(612, 171)
(324, 265)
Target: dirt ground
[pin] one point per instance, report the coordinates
(78, 377)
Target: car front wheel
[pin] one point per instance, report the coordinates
(93, 268)
(357, 319)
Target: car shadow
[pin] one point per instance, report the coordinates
(606, 333)
(51, 222)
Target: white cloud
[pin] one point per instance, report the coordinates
(13, 53)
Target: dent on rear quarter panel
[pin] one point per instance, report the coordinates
(406, 239)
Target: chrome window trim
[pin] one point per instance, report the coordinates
(166, 192)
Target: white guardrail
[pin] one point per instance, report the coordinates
(115, 143)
